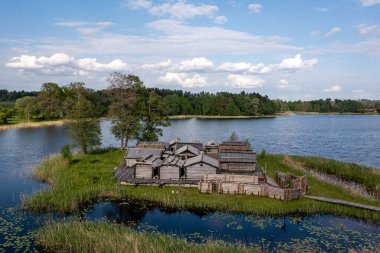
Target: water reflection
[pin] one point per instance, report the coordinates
(322, 232)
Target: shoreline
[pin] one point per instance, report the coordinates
(32, 124)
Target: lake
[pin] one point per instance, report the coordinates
(353, 138)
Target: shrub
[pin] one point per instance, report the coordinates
(66, 152)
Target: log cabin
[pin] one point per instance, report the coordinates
(234, 161)
(197, 167)
(186, 152)
(172, 168)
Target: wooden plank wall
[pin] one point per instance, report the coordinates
(144, 171)
(196, 171)
(169, 172)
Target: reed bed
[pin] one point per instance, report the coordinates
(31, 124)
(89, 178)
(97, 237)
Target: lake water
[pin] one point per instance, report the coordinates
(354, 138)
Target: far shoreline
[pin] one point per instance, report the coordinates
(35, 124)
(32, 124)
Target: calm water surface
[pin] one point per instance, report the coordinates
(343, 137)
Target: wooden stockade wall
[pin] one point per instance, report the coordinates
(248, 185)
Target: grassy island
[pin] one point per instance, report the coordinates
(88, 178)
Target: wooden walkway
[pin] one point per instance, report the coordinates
(343, 202)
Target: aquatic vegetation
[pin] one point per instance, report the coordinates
(76, 236)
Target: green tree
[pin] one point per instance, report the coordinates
(124, 91)
(153, 117)
(231, 109)
(27, 106)
(4, 114)
(84, 128)
(51, 99)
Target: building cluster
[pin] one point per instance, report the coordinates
(228, 167)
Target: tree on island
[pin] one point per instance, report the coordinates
(84, 128)
(153, 116)
(125, 106)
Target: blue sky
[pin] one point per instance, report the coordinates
(293, 49)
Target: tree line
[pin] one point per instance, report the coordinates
(138, 112)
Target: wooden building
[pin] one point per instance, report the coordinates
(186, 152)
(197, 167)
(134, 154)
(153, 145)
(172, 168)
(147, 167)
(174, 145)
(290, 181)
(212, 149)
(233, 161)
(234, 145)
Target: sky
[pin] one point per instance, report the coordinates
(288, 49)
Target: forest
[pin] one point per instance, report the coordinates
(49, 103)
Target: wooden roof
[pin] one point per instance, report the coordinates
(202, 158)
(137, 153)
(173, 161)
(189, 148)
(237, 157)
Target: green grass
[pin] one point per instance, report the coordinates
(76, 236)
(369, 177)
(90, 177)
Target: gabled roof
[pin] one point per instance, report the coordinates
(173, 161)
(189, 148)
(138, 153)
(155, 161)
(237, 156)
(202, 158)
(179, 144)
(153, 145)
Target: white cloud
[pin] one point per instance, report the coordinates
(220, 20)
(175, 9)
(244, 67)
(369, 2)
(333, 30)
(158, 66)
(185, 80)
(365, 29)
(137, 4)
(315, 33)
(297, 63)
(335, 88)
(62, 63)
(255, 8)
(282, 84)
(196, 64)
(86, 28)
(244, 81)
